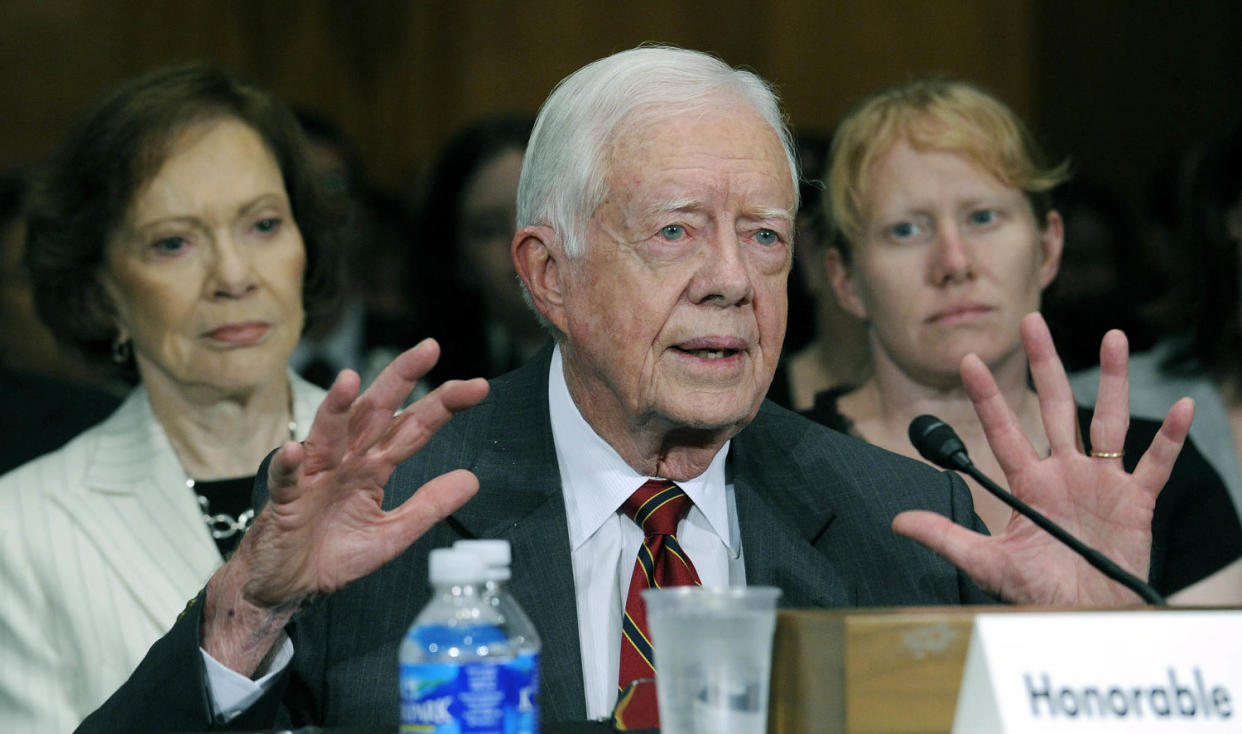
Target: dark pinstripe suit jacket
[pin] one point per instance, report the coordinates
(814, 507)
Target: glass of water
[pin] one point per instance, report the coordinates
(713, 657)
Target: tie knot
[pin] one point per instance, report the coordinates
(657, 507)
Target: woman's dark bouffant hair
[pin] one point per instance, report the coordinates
(461, 332)
(460, 160)
(83, 194)
(1206, 302)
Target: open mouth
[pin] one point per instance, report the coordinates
(710, 353)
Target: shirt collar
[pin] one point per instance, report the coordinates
(596, 480)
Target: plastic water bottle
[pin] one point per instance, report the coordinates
(522, 674)
(470, 660)
(452, 659)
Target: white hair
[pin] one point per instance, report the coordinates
(565, 172)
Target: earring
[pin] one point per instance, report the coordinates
(121, 350)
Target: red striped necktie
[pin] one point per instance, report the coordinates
(657, 507)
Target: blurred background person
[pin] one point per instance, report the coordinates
(825, 345)
(1105, 280)
(178, 233)
(397, 316)
(946, 240)
(49, 395)
(377, 319)
(1201, 356)
(466, 214)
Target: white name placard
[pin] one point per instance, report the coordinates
(1137, 671)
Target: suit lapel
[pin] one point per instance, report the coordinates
(520, 500)
(781, 522)
(540, 549)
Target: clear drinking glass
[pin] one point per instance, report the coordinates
(713, 657)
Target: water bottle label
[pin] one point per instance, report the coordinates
(521, 688)
(447, 698)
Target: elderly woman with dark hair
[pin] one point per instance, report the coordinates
(178, 234)
(945, 239)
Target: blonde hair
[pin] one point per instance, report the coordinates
(933, 115)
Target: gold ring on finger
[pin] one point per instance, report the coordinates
(1107, 454)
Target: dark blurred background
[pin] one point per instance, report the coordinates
(1120, 86)
(1117, 84)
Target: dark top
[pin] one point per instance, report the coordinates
(1194, 530)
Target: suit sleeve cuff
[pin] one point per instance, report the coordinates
(231, 693)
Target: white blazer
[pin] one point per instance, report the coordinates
(101, 546)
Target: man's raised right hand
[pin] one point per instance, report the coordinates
(324, 525)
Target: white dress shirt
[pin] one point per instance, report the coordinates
(604, 542)
(603, 545)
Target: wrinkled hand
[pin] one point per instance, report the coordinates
(324, 525)
(1095, 499)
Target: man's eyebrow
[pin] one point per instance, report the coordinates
(690, 204)
(677, 205)
(771, 212)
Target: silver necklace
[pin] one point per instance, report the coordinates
(221, 524)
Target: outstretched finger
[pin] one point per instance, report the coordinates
(371, 418)
(1009, 443)
(395, 382)
(1111, 418)
(1157, 462)
(415, 425)
(329, 434)
(433, 502)
(1056, 399)
(282, 471)
(963, 548)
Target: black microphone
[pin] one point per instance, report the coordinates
(939, 444)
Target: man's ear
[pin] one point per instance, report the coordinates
(538, 258)
(842, 280)
(1051, 243)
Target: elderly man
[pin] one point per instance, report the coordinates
(655, 209)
